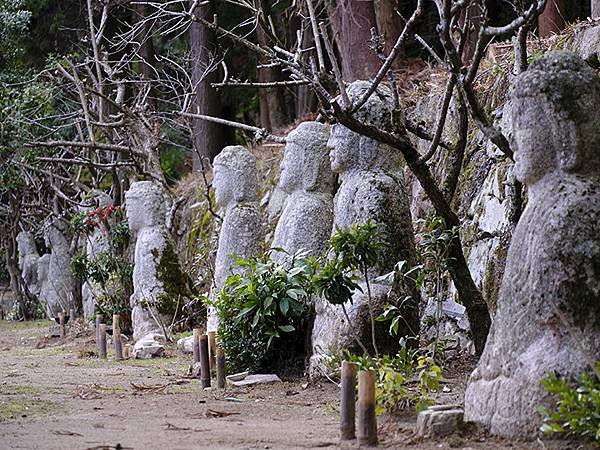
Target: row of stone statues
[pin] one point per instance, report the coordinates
(548, 314)
(371, 188)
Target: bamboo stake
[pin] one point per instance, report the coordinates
(348, 401)
(204, 364)
(367, 422)
(212, 349)
(220, 368)
(102, 341)
(117, 337)
(196, 345)
(99, 320)
(61, 324)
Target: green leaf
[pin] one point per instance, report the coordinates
(284, 306)
(287, 328)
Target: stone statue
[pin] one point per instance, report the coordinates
(95, 244)
(372, 188)
(28, 261)
(146, 215)
(306, 177)
(236, 192)
(548, 316)
(58, 285)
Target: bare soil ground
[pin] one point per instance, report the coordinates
(53, 395)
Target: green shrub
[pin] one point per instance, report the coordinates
(265, 310)
(577, 410)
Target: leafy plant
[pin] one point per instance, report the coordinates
(436, 245)
(396, 376)
(355, 250)
(269, 301)
(577, 410)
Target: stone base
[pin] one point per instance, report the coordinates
(439, 421)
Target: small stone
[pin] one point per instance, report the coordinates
(148, 347)
(185, 345)
(251, 380)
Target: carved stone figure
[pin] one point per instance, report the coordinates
(28, 261)
(146, 216)
(372, 188)
(57, 287)
(236, 192)
(306, 177)
(95, 244)
(548, 316)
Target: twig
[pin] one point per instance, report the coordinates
(335, 65)
(259, 133)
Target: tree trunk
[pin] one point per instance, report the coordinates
(595, 9)
(473, 17)
(145, 51)
(390, 25)
(207, 136)
(552, 20)
(272, 108)
(305, 98)
(352, 21)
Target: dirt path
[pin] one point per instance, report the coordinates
(53, 398)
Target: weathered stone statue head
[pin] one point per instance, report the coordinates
(555, 118)
(26, 246)
(235, 176)
(54, 234)
(305, 163)
(145, 205)
(350, 150)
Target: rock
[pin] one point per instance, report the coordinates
(252, 380)
(551, 284)
(186, 344)
(236, 193)
(58, 287)
(28, 261)
(149, 347)
(439, 421)
(146, 215)
(237, 376)
(306, 176)
(372, 188)
(195, 370)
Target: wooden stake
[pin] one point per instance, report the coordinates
(196, 345)
(220, 368)
(348, 401)
(61, 324)
(367, 422)
(117, 337)
(204, 364)
(99, 320)
(102, 341)
(212, 349)
(72, 314)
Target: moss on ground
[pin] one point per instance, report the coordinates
(16, 408)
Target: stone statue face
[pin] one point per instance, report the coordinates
(235, 176)
(224, 188)
(344, 147)
(145, 205)
(533, 139)
(290, 169)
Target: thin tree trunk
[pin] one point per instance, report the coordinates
(207, 136)
(352, 22)
(272, 108)
(552, 20)
(473, 16)
(146, 52)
